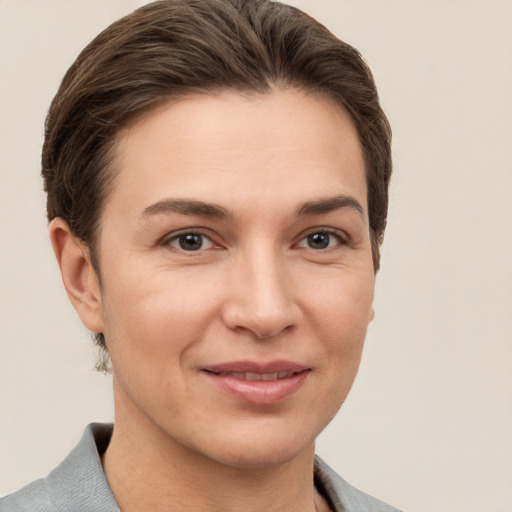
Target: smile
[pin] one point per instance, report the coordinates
(256, 376)
(255, 383)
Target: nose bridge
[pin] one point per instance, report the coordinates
(261, 299)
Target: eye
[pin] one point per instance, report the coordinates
(321, 240)
(190, 242)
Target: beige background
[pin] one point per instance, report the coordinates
(428, 424)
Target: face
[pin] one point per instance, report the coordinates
(237, 276)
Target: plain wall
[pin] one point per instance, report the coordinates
(428, 423)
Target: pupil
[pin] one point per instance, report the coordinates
(318, 240)
(191, 242)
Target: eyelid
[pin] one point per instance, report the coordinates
(340, 235)
(175, 235)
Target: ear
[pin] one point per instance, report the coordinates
(78, 275)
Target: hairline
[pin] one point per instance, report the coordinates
(109, 154)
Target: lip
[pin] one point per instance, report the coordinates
(264, 392)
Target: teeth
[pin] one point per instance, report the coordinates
(257, 376)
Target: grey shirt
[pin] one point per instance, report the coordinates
(79, 484)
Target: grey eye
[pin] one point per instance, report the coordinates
(191, 242)
(320, 240)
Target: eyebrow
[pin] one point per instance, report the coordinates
(330, 204)
(187, 207)
(202, 209)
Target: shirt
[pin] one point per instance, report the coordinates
(79, 484)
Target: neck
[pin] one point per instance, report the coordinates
(148, 471)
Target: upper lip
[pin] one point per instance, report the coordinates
(256, 367)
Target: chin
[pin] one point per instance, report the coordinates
(263, 459)
(263, 449)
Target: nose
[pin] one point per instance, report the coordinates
(261, 297)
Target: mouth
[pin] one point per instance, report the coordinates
(253, 376)
(255, 383)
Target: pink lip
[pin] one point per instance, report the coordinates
(255, 367)
(257, 391)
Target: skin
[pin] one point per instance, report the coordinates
(280, 167)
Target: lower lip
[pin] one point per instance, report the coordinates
(264, 392)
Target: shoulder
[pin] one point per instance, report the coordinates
(34, 497)
(77, 484)
(343, 496)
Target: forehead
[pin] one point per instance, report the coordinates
(237, 147)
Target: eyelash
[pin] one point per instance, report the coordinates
(176, 238)
(340, 237)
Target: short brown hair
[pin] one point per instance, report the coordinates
(171, 48)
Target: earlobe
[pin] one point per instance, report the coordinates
(372, 314)
(78, 275)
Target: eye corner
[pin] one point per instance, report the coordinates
(191, 241)
(322, 239)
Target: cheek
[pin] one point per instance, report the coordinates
(344, 304)
(343, 334)
(150, 328)
(156, 314)
(342, 314)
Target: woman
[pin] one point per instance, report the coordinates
(217, 179)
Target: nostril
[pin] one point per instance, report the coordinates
(262, 309)
(265, 333)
